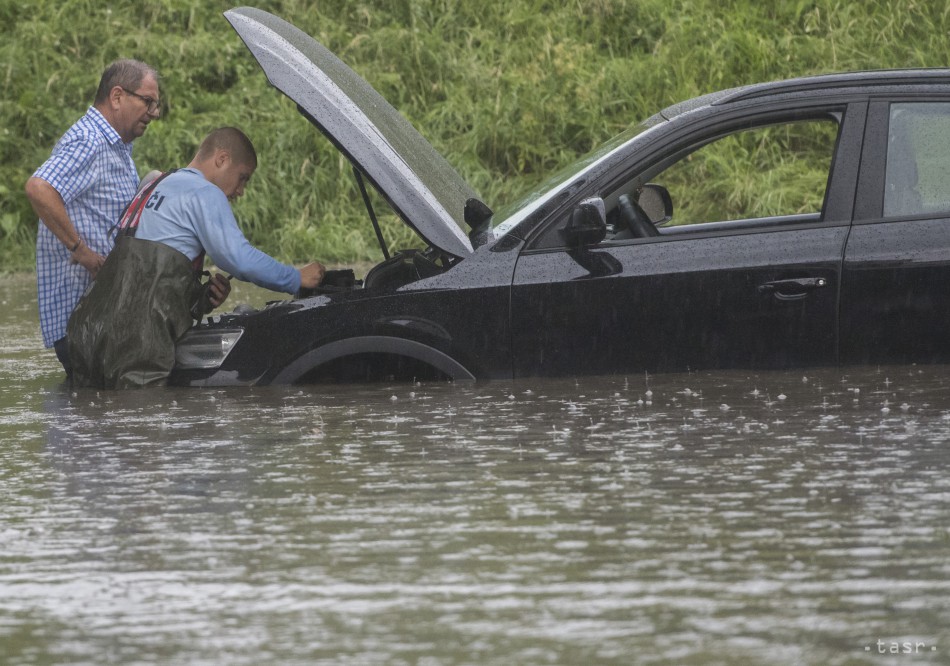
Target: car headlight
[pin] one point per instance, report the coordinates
(205, 348)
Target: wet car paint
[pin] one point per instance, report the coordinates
(822, 292)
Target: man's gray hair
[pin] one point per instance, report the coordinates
(125, 73)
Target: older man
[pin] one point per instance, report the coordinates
(80, 192)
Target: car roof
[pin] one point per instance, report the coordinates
(835, 82)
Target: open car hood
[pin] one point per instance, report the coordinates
(420, 185)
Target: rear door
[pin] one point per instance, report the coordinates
(896, 282)
(746, 275)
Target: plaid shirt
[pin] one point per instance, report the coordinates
(92, 169)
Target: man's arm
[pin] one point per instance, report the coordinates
(218, 232)
(49, 206)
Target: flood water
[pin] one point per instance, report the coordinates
(708, 518)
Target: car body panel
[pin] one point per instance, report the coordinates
(461, 314)
(896, 293)
(688, 304)
(896, 282)
(448, 334)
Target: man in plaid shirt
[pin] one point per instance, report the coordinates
(81, 190)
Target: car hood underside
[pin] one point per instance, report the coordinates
(422, 187)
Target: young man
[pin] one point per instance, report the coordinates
(80, 191)
(123, 332)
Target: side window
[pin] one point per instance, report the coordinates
(761, 172)
(759, 176)
(917, 172)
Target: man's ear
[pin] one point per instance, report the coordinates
(221, 157)
(114, 95)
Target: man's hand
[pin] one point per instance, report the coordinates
(219, 289)
(88, 258)
(311, 275)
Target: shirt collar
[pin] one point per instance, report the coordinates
(193, 171)
(100, 122)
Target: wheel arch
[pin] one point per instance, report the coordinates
(372, 344)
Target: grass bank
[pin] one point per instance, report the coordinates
(507, 91)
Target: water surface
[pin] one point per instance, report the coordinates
(706, 518)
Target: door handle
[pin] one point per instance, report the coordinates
(792, 289)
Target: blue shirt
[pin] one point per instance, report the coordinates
(190, 214)
(92, 169)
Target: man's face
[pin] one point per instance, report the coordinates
(133, 115)
(233, 177)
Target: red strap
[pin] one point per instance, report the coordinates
(129, 221)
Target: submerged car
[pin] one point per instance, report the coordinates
(796, 223)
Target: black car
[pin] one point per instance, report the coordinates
(832, 247)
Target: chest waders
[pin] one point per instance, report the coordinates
(122, 333)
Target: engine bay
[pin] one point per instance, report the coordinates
(404, 267)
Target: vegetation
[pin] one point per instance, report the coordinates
(508, 91)
(758, 172)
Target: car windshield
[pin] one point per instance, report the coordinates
(509, 216)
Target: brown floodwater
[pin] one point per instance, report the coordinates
(705, 518)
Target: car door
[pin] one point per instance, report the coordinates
(739, 278)
(896, 281)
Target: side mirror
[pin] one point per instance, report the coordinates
(656, 202)
(588, 225)
(478, 217)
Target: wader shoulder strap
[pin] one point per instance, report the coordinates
(128, 222)
(198, 264)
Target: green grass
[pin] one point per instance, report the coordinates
(507, 91)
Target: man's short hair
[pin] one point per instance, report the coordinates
(232, 140)
(125, 73)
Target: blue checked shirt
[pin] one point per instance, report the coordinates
(92, 169)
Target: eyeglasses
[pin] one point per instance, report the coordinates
(152, 105)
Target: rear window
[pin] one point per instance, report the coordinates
(917, 175)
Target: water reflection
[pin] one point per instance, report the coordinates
(706, 518)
